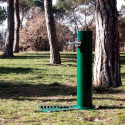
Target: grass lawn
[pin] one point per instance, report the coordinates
(28, 81)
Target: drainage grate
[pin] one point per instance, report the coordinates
(57, 108)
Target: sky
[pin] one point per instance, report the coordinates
(54, 1)
(119, 3)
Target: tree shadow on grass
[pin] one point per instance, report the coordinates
(122, 59)
(102, 90)
(110, 107)
(7, 70)
(123, 75)
(71, 57)
(67, 56)
(69, 60)
(26, 57)
(59, 100)
(71, 65)
(21, 91)
(103, 98)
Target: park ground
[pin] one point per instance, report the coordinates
(28, 81)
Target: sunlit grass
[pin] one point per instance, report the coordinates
(28, 81)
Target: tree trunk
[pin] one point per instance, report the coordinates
(107, 57)
(22, 17)
(54, 49)
(8, 52)
(17, 28)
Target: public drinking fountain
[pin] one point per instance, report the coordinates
(84, 75)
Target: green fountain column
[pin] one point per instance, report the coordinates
(84, 70)
(84, 76)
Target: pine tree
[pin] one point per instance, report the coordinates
(8, 52)
(107, 57)
(54, 49)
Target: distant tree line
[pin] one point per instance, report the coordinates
(33, 37)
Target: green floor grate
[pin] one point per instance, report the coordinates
(57, 108)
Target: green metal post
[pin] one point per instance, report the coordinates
(84, 76)
(84, 70)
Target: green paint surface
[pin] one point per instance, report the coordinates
(84, 70)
